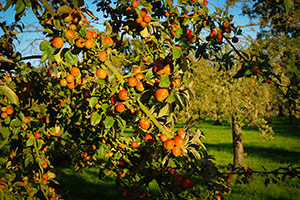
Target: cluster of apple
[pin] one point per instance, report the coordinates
(6, 111)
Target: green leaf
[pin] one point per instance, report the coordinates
(179, 32)
(28, 3)
(73, 59)
(171, 98)
(164, 81)
(46, 55)
(218, 10)
(8, 4)
(16, 131)
(108, 27)
(20, 6)
(109, 122)
(44, 45)
(51, 175)
(28, 160)
(3, 59)
(105, 106)
(4, 132)
(248, 72)
(289, 6)
(115, 71)
(9, 93)
(63, 9)
(47, 30)
(18, 184)
(7, 120)
(82, 31)
(1, 194)
(176, 52)
(138, 11)
(164, 111)
(144, 33)
(95, 119)
(152, 118)
(16, 123)
(30, 142)
(39, 144)
(77, 3)
(93, 101)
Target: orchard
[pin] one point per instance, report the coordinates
(93, 85)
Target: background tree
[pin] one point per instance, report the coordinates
(279, 37)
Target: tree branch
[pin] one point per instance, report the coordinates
(48, 6)
(32, 57)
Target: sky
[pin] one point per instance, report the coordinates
(29, 41)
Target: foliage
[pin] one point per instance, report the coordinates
(279, 38)
(77, 106)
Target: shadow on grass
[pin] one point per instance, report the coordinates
(283, 128)
(75, 186)
(267, 153)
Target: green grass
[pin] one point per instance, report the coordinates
(283, 150)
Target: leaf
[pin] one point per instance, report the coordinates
(152, 118)
(10, 94)
(82, 31)
(30, 142)
(93, 101)
(108, 27)
(144, 33)
(73, 59)
(171, 98)
(4, 132)
(164, 111)
(28, 160)
(44, 45)
(46, 55)
(8, 4)
(138, 11)
(1, 194)
(16, 123)
(196, 139)
(20, 6)
(96, 118)
(3, 59)
(109, 122)
(196, 154)
(51, 175)
(47, 30)
(115, 71)
(39, 144)
(164, 81)
(179, 32)
(248, 72)
(28, 3)
(289, 5)
(176, 52)
(63, 9)
(57, 56)
(18, 184)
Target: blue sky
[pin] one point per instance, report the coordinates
(29, 45)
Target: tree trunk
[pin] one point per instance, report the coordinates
(290, 116)
(280, 113)
(238, 149)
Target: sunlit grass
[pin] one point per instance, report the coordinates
(283, 150)
(280, 152)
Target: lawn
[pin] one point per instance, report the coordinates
(283, 150)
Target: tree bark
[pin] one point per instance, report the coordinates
(238, 149)
(280, 113)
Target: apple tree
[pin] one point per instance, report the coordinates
(93, 85)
